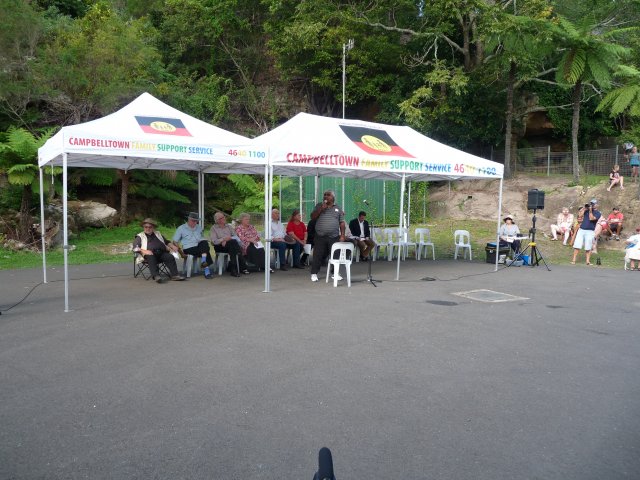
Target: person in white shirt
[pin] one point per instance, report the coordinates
(277, 237)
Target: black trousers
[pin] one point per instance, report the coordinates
(197, 251)
(233, 249)
(255, 256)
(321, 249)
(166, 258)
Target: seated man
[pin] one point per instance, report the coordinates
(614, 220)
(361, 235)
(155, 249)
(277, 237)
(562, 226)
(193, 243)
(224, 240)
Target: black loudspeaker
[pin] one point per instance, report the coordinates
(535, 199)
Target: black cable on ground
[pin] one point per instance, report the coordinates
(4, 310)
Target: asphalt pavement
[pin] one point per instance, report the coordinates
(214, 379)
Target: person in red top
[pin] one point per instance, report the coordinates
(615, 220)
(298, 233)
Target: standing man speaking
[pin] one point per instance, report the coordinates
(330, 227)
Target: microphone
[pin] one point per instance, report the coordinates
(325, 465)
(365, 202)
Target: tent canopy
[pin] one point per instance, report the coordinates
(309, 145)
(149, 134)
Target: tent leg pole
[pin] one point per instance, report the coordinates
(201, 197)
(409, 205)
(402, 184)
(65, 232)
(300, 195)
(267, 224)
(498, 227)
(315, 191)
(384, 203)
(42, 230)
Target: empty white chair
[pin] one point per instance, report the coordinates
(423, 235)
(376, 236)
(462, 239)
(341, 254)
(392, 242)
(190, 264)
(405, 242)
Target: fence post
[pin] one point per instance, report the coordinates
(616, 162)
(548, 160)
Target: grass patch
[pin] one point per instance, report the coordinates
(482, 231)
(109, 245)
(95, 245)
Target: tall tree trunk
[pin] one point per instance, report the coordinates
(124, 196)
(25, 214)
(509, 121)
(575, 126)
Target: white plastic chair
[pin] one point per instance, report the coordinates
(190, 264)
(424, 240)
(462, 239)
(405, 242)
(376, 236)
(222, 258)
(392, 242)
(344, 258)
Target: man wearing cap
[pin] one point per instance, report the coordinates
(614, 220)
(189, 234)
(329, 229)
(155, 249)
(586, 232)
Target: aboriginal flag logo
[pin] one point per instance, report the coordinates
(377, 142)
(163, 126)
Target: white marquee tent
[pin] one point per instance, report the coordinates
(146, 134)
(314, 145)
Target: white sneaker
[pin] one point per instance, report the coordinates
(339, 277)
(314, 277)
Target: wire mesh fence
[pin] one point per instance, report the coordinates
(542, 160)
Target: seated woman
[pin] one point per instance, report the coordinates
(507, 232)
(632, 253)
(224, 240)
(252, 247)
(298, 232)
(562, 226)
(615, 178)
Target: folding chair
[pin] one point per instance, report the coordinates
(141, 267)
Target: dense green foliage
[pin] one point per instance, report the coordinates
(468, 73)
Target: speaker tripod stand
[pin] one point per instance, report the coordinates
(535, 255)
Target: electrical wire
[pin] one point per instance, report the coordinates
(4, 310)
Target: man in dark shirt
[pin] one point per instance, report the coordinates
(586, 232)
(329, 228)
(155, 249)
